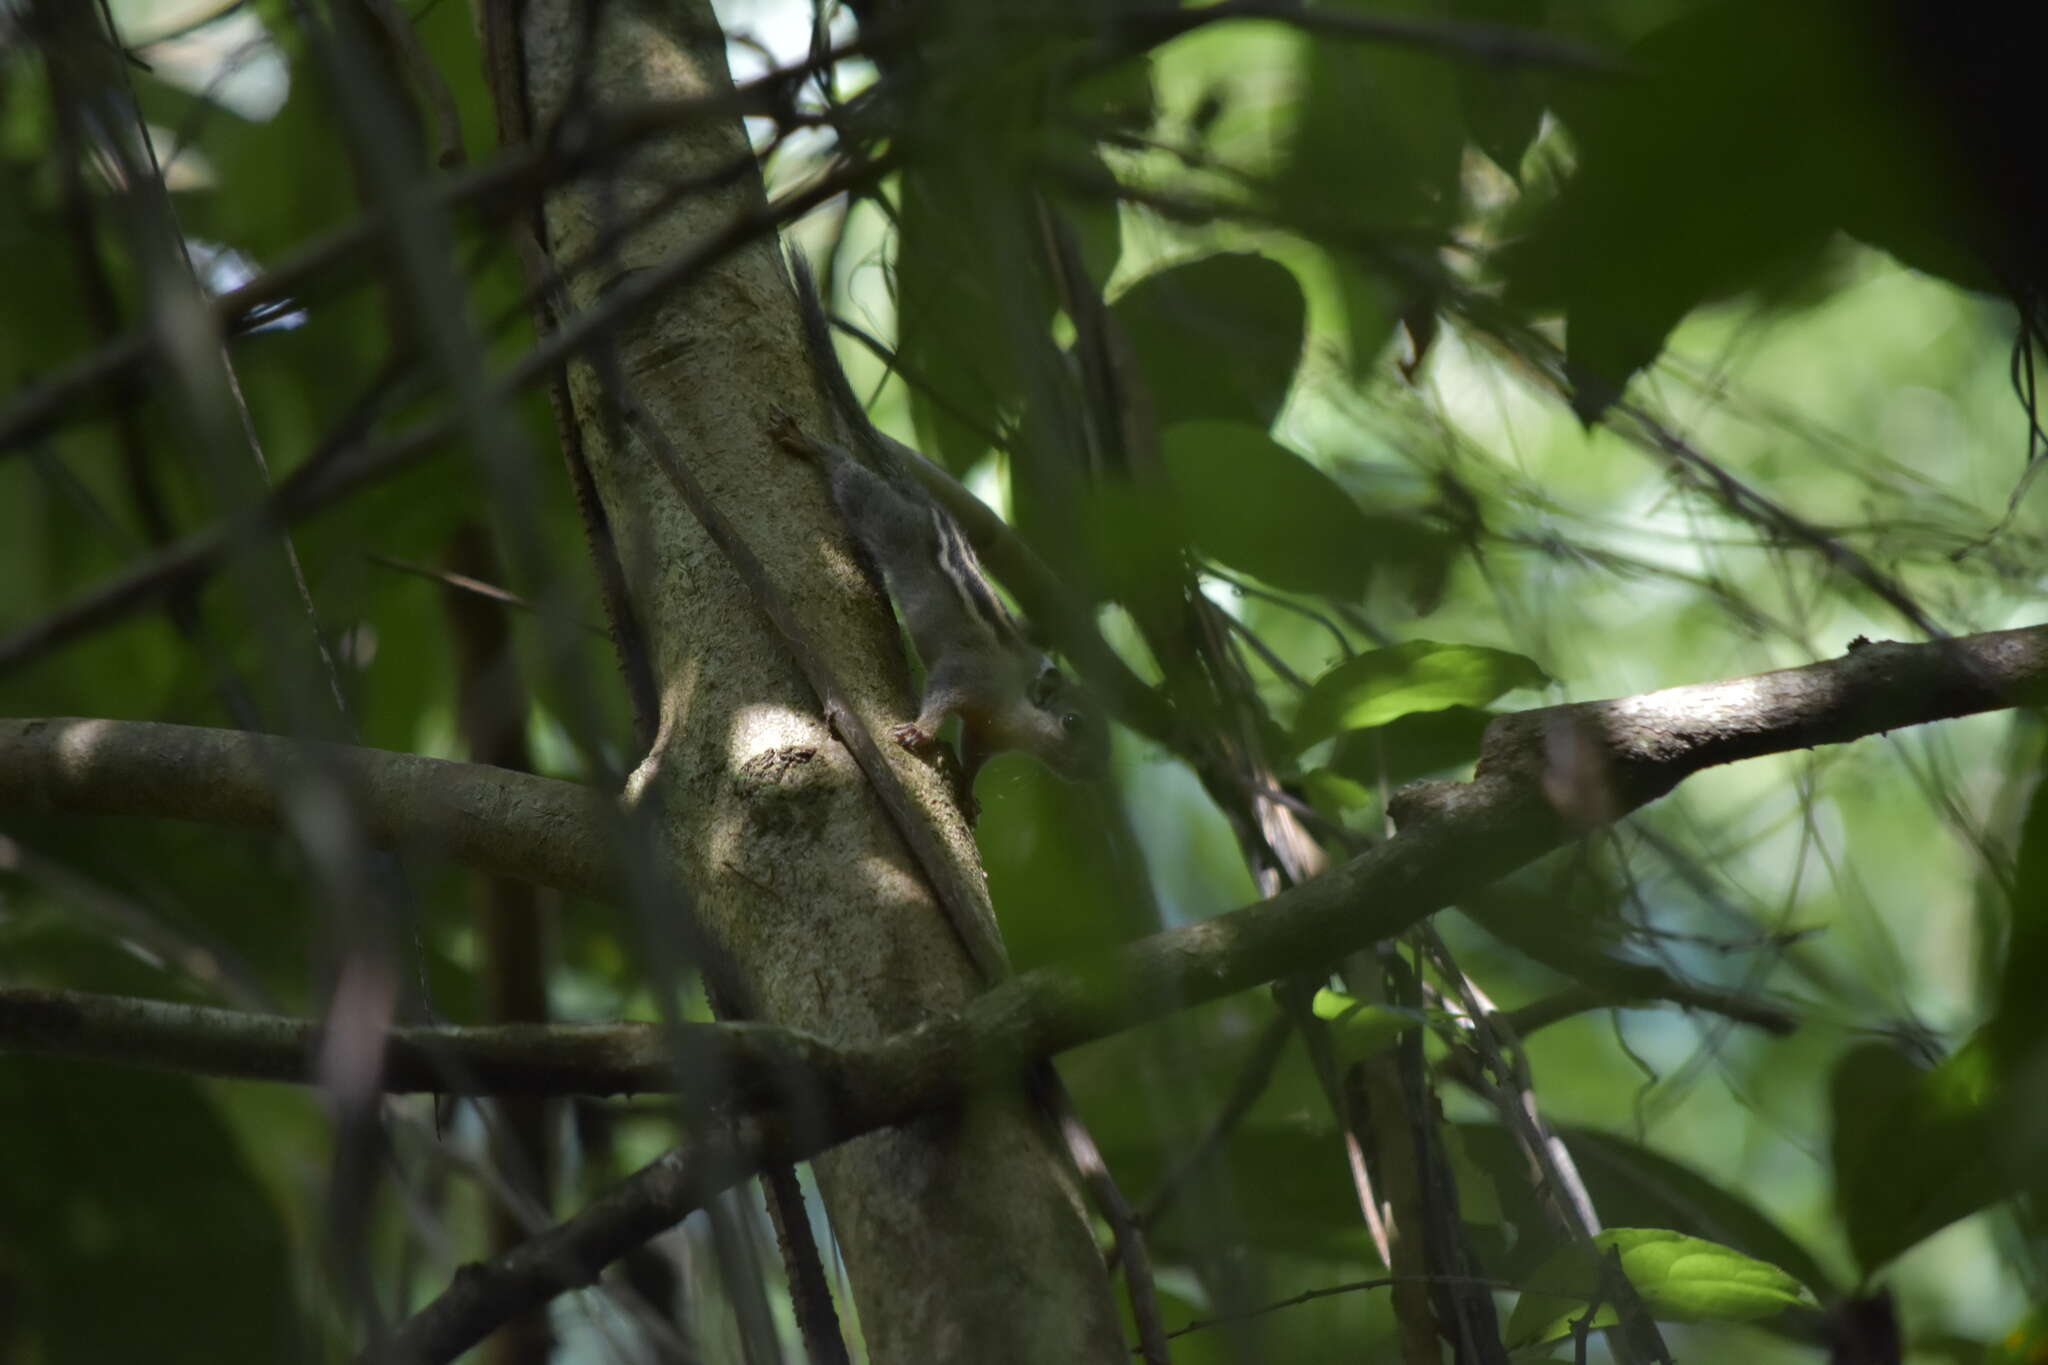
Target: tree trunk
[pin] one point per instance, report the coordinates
(963, 1235)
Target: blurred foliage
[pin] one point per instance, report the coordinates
(1366, 305)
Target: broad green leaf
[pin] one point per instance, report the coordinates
(1378, 141)
(954, 332)
(1637, 1187)
(1767, 130)
(1633, 1184)
(1217, 339)
(1502, 105)
(1364, 1027)
(1371, 305)
(1914, 1149)
(1333, 792)
(2020, 1024)
(1418, 675)
(1677, 1278)
(1252, 504)
(131, 1225)
(1411, 746)
(1290, 1192)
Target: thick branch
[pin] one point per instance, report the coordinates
(510, 824)
(1527, 798)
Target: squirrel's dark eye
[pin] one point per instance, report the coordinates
(1071, 723)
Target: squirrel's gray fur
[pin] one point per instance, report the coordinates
(979, 664)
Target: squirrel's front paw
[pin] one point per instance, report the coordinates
(783, 430)
(914, 738)
(925, 744)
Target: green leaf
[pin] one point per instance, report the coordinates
(1411, 746)
(1502, 105)
(1914, 1149)
(131, 1226)
(1418, 675)
(955, 330)
(1290, 1192)
(1765, 131)
(1364, 1027)
(1333, 793)
(1218, 339)
(1678, 1278)
(1632, 1184)
(1254, 505)
(1379, 139)
(2021, 1020)
(1372, 304)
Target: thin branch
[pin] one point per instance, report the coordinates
(514, 177)
(463, 583)
(1764, 511)
(623, 1058)
(1246, 588)
(359, 465)
(1310, 1296)
(572, 1254)
(757, 1062)
(1131, 1249)
(1583, 999)
(511, 824)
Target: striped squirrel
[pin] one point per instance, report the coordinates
(979, 664)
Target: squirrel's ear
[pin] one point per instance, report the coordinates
(1047, 683)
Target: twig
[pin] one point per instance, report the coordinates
(1130, 1240)
(512, 175)
(1286, 603)
(1310, 1296)
(1583, 999)
(1280, 667)
(494, 1059)
(456, 582)
(355, 466)
(1766, 512)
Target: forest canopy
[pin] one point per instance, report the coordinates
(1542, 496)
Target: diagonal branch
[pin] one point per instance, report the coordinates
(1543, 776)
(1531, 793)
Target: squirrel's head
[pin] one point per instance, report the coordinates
(1072, 730)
